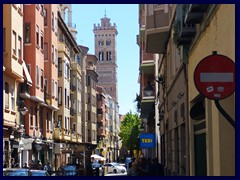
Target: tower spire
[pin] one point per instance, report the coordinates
(105, 12)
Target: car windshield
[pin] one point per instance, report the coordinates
(115, 164)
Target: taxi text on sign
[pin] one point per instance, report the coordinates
(147, 140)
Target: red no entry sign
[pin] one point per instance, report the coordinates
(214, 77)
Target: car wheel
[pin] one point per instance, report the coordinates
(115, 171)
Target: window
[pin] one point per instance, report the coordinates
(45, 17)
(14, 36)
(37, 75)
(45, 51)
(56, 25)
(108, 42)
(65, 70)
(60, 67)
(42, 40)
(46, 84)
(52, 87)
(31, 116)
(41, 79)
(59, 95)
(27, 33)
(53, 53)
(19, 47)
(53, 21)
(109, 56)
(36, 117)
(89, 115)
(100, 56)
(37, 35)
(56, 55)
(100, 43)
(59, 125)
(74, 127)
(66, 123)
(6, 95)
(79, 106)
(41, 9)
(68, 99)
(65, 97)
(56, 89)
(88, 80)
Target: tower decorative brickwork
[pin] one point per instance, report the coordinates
(105, 50)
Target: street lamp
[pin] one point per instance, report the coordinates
(22, 107)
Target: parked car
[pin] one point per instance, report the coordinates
(114, 168)
(39, 172)
(16, 172)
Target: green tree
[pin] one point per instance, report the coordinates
(130, 130)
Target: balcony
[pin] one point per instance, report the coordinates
(157, 28)
(76, 67)
(101, 132)
(25, 90)
(63, 48)
(195, 13)
(73, 137)
(183, 33)
(66, 135)
(72, 111)
(57, 134)
(148, 96)
(99, 118)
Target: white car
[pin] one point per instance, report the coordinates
(114, 168)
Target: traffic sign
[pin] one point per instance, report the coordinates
(214, 77)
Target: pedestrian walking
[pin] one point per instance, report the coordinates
(12, 163)
(48, 167)
(26, 166)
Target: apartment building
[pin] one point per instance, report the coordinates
(66, 130)
(91, 102)
(101, 122)
(34, 57)
(15, 73)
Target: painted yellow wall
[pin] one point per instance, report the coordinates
(218, 36)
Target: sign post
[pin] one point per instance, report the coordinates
(214, 77)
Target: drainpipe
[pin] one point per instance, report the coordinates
(185, 69)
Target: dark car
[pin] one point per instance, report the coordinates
(16, 172)
(39, 172)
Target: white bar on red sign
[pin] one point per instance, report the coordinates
(216, 77)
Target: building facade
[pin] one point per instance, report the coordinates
(191, 129)
(14, 74)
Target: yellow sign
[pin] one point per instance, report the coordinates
(147, 140)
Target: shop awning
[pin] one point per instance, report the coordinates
(26, 73)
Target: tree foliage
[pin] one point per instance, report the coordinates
(130, 130)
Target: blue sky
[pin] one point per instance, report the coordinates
(126, 18)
